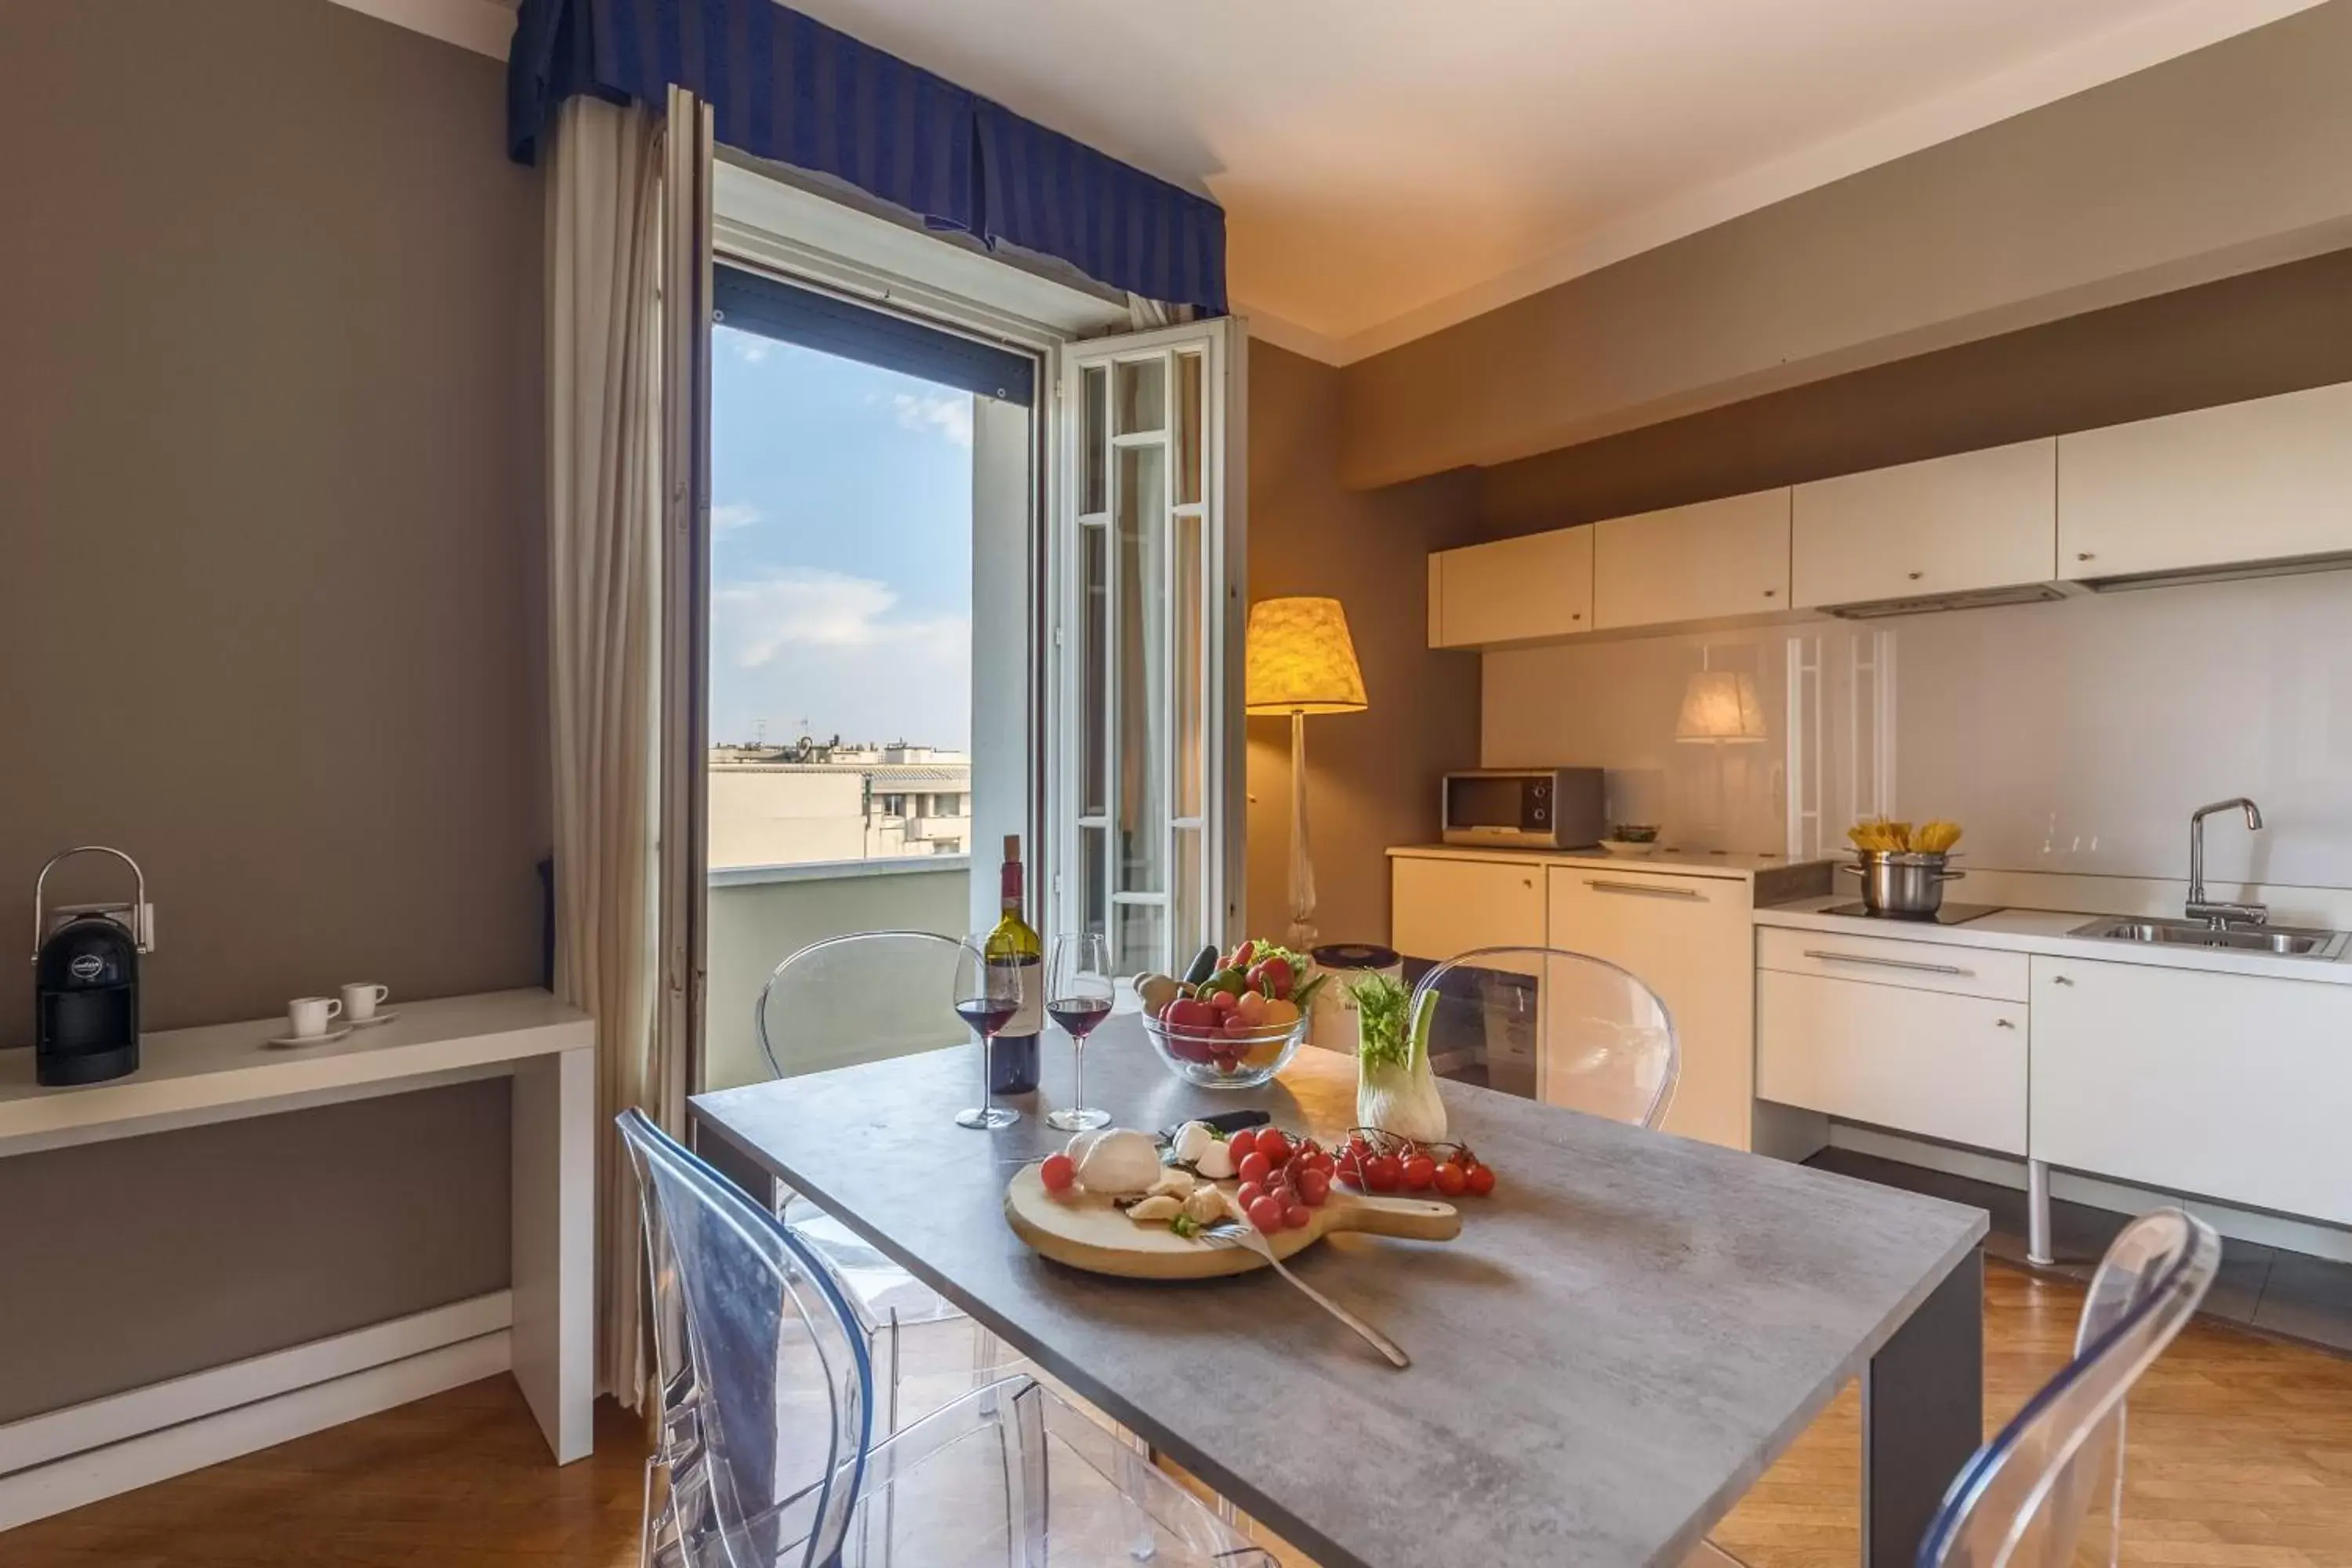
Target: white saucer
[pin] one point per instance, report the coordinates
(289, 1042)
(372, 1022)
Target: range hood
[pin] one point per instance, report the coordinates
(2236, 572)
(1967, 599)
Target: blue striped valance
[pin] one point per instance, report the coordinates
(784, 86)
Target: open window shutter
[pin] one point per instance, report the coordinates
(1149, 551)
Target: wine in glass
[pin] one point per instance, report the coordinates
(1078, 993)
(988, 994)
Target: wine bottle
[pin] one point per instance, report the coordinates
(1013, 1055)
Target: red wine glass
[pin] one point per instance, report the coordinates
(1079, 988)
(987, 995)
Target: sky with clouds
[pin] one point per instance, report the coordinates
(840, 549)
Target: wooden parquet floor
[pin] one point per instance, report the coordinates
(2240, 1457)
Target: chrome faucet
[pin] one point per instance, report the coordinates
(2200, 907)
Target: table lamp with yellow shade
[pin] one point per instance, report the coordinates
(1301, 661)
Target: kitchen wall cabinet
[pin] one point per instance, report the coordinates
(2229, 1087)
(1442, 907)
(1687, 938)
(2262, 480)
(1713, 561)
(1515, 590)
(1936, 1063)
(1980, 520)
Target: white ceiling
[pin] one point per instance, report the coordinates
(1389, 167)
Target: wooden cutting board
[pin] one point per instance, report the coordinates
(1088, 1231)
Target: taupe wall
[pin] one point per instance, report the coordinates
(270, 428)
(2232, 158)
(1373, 775)
(270, 619)
(2276, 331)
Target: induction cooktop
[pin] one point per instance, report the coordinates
(1950, 915)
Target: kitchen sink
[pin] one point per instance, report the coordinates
(2288, 941)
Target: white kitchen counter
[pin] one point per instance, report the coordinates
(1682, 862)
(2045, 931)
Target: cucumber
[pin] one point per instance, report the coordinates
(1204, 963)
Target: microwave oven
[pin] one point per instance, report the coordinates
(1544, 808)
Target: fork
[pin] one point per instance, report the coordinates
(1227, 1233)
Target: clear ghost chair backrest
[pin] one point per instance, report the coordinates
(1605, 1041)
(862, 997)
(2048, 1491)
(758, 1347)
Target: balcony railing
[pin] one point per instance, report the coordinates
(760, 915)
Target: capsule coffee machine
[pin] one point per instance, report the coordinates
(86, 981)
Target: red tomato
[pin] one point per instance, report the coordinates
(1451, 1179)
(1240, 1143)
(1247, 1193)
(1059, 1172)
(1294, 1217)
(1255, 1167)
(1273, 1145)
(1266, 1214)
(1418, 1172)
(1359, 1148)
(1480, 1179)
(1350, 1171)
(1382, 1173)
(1314, 1187)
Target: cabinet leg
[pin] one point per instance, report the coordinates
(2037, 1214)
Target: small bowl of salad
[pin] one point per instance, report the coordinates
(1235, 1019)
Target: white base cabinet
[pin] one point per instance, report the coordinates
(1440, 907)
(1937, 1064)
(1688, 938)
(2229, 1087)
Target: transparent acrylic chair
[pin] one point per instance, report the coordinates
(2048, 1492)
(767, 1437)
(863, 997)
(1607, 1044)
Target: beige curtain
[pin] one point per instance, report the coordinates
(604, 478)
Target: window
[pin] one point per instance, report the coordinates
(1150, 552)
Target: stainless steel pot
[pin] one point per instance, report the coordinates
(1903, 881)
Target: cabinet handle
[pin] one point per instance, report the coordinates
(1771, 593)
(1642, 890)
(1917, 575)
(2084, 555)
(2003, 1024)
(1828, 957)
(2060, 980)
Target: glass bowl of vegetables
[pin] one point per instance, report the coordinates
(1235, 1019)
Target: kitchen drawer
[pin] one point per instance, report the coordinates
(1897, 960)
(1441, 907)
(1947, 1067)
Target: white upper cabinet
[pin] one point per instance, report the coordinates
(1981, 519)
(1515, 590)
(2265, 480)
(1711, 561)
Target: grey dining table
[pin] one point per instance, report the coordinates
(1624, 1336)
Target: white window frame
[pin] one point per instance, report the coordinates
(1223, 514)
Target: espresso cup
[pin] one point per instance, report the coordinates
(311, 1015)
(360, 1000)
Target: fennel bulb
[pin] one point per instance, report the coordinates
(1396, 1088)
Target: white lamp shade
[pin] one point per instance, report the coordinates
(1301, 659)
(1720, 705)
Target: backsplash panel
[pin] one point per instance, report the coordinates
(2073, 737)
